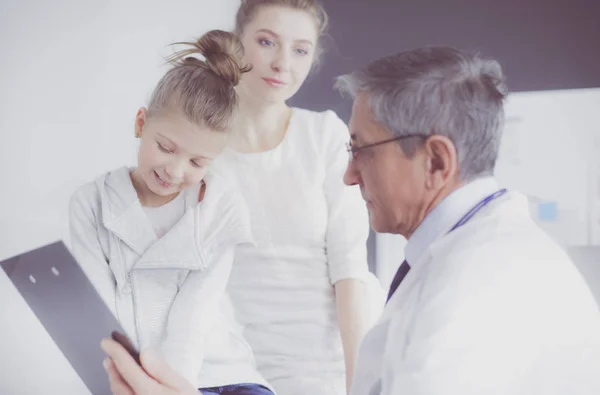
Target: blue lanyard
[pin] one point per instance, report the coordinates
(478, 207)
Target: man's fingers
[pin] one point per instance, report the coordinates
(161, 372)
(118, 386)
(128, 369)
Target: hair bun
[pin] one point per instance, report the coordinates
(222, 51)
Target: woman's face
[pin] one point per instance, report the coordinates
(280, 44)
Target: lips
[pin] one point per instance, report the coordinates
(162, 182)
(274, 82)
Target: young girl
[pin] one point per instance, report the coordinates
(158, 240)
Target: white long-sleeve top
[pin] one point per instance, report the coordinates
(168, 292)
(310, 232)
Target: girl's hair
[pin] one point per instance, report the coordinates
(203, 91)
(249, 8)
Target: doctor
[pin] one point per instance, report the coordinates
(485, 302)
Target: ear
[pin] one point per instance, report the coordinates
(140, 121)
(202, 191)
(441, 161)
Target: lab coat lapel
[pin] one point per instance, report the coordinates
(398, 299)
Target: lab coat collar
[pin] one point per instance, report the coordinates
(446, 214)
(432, 231)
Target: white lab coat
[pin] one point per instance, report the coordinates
(167, 293)
(494, 307)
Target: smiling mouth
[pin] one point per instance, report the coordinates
(162, 182)
(274, 82)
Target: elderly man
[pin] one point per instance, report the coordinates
(485, 302)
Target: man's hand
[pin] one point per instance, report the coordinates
(128, 378)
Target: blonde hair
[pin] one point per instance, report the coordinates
(249, 8)
(202, 90)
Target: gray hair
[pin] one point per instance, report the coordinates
(437, 90)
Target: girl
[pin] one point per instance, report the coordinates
(301, 292)
(158, 240)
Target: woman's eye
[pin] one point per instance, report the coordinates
(196, 164)
(266, 43)
(301, 51)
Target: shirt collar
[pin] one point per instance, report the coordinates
(446, 214)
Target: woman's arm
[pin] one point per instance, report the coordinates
(353, 317)
(346, 240)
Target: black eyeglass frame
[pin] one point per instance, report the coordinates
(352, 150)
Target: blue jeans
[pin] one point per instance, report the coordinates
(237, 389)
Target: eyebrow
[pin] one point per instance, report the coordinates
(271, 32)
(166, 138)
(173, 143)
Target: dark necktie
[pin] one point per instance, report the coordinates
(400, 274)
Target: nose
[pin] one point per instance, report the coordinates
(351, 176)
(281, 63)
(175, 170)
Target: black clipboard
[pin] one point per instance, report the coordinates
(70, 309)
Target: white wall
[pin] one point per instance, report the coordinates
(74, 73)
(549, 151)
(587, 259)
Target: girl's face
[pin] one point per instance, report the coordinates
(279, 43)
(174, 154)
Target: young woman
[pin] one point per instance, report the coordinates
(303, 292)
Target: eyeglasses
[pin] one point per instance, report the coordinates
(354, 150)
